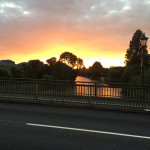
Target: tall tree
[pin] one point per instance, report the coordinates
(133, 53)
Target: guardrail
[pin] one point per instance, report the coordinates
(85, 93)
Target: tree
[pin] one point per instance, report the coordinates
(68, 58)
(52, 61)
(34, 69)
(79, 63)
(132, 74)
(114, 75)
(48, 77)
(16, 72)
(96, 70)
(63, 72)
(4, 73)
(147, 76)
(71, 60)
(133, 53)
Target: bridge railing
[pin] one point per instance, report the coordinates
(90, 93)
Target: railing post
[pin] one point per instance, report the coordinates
(95, 90)
(36, 92)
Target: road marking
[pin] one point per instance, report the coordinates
(86, 130)
(147, 109)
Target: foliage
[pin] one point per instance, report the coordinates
(68, 58)
(114, 75)
(63, 72)
(34, 69)
(135, 79)
(79, 63)
(16, 72)
(133, 53)
(52, 61)
(4, 73)
(147, 76)
(96, 70)
(131, 74)
(47, 76)
(83, 72)
(71, 60)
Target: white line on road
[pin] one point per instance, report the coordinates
(147, 109)
(86, 130)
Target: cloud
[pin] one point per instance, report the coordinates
(28, 26)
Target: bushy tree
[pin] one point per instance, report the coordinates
(16, 72)
(52, 61)
(96, 70)
(68, 58)
(79, 63)
(71, 60)
(4, 73)
(63, 72)
(131, 74)
(114, 75)
(34, 69)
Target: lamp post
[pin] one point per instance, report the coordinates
(143, 44)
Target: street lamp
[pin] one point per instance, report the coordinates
(143, 40)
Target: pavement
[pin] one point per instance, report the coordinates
(40, 127)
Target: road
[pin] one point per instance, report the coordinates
(36, 127)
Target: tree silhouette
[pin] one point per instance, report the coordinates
(96, 70)
(133, 53)
(33, 69)
(79, 63)
(16, 72)
(63, 72)
(68, 58)
(4, 73)
(71, 60)
(52, 61)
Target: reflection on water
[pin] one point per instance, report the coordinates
(92, 88)
(83, 79)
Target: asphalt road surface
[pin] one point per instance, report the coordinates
(35, 127)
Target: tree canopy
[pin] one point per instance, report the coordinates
(63, 72)
(4, 73)
(71, 60)
(52, 61)
(16, 72)
(33, 69)
(96, 70)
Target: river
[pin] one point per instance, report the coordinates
(83, 79)
(101, 90)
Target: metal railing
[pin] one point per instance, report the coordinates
(65, 92)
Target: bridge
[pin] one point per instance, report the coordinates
(94, 94)
(25, 125)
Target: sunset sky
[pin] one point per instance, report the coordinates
(94, 30)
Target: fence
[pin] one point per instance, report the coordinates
(66, 92)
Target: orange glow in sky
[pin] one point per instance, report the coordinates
(92, 30)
